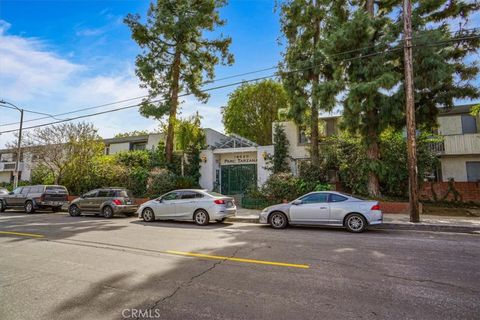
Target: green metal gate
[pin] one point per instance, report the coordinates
(236, 179)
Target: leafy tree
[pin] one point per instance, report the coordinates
(177, 55)
(190, 140)
(132, 133)
(62, 148)
(279, 161)
(307, 73)
(252, 108)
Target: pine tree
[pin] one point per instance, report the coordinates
(307, 73)
(370, 61)
(177, 55)
(280, 150)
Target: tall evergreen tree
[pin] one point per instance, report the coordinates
(177, 55)
(370, 61)
(307, 73)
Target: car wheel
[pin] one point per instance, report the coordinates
(107, 212)
(148, 215)
(355, 223)
(74, 210)
(29, 207)
(56, 209)
(2, 206)
(201, 217)
(278, 220)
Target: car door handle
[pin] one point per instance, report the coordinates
(323, 208)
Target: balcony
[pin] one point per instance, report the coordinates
(10, 166)
(460, 144)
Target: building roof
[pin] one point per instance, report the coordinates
(462, 109)
(126, 139)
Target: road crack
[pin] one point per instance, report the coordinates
(189, 282)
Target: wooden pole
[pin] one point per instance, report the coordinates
(410, 113)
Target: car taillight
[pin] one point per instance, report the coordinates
(117, 202)
(219, 201)
(375, 207)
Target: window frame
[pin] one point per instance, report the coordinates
(314, 194)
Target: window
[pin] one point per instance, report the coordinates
(90, 194)
(331, 127)
(189, 195)
(138, 146)
(36, 189)
(103, 194)
(25, 190)
(302, 136)
(336, 198)
(123, 193)
(107, 150)
(315, 198)
(171, 196)
(56, 188)
(473, 171)
(469, 124)
(18, 190)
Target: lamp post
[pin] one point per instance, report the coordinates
(9, 105)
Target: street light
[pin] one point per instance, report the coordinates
(17, 164)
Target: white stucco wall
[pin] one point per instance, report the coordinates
(262, 173)
(455, 167)
(119, 147)
(153, 140)
(295, 150)
(449, 125)
(207, 170)
(5, 176)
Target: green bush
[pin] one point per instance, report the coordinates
(159, 182)
(282, 186)
(186, 182)
(42, 175)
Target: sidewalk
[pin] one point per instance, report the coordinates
(397, 221)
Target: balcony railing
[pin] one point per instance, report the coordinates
(10, 166)
(462, 144)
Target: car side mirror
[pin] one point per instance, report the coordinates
(10, 193)
(297, 202)
(82, 196)
(159, 200)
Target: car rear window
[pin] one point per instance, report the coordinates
(55, 188)
(124, 194)
(337, 198)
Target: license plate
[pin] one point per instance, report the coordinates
(129, 202)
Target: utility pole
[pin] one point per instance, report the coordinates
(19, 143)
(410, 113)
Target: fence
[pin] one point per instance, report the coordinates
(451, 191)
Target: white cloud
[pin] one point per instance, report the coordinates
(34, 77)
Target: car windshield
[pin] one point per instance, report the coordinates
(215, 194)
(353, 196)
(55, 188)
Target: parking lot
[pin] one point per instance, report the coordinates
(54, 266)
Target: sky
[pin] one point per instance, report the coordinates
(61, 55)
(58, 56)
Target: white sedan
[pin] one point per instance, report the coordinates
(324, 208)
(201, 206)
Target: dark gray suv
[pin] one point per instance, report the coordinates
(105, 201)
(36, 197)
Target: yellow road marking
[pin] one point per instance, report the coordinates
(33, 235)
(207, 256)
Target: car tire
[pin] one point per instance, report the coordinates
(107, 212)
(2, 206)
(56, 209)
(74, 210)
(201, 217)
(221, 220)
(278, 220)
(148, 215)
(355, 223)
(29, 207)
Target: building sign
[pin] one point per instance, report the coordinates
(238, 158)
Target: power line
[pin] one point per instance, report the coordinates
(237, 83)
(227, 78)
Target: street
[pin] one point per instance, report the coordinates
(54, 266)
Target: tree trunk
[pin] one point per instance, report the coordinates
(173, 107)
(314, 151)
(373, 155)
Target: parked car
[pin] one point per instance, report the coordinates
(105, 201)
(35, 197)
(201, 206)
(324, 208)
(3, 191)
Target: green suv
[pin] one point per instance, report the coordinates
(105, 201)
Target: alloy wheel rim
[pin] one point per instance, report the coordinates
(148, 215)
(108, 211)
(29, 207)
(277, 220)
(355, 223)
(201, 217)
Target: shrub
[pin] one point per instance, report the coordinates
(42, 175)
(159, 182)
(186, 182)
(282, 186)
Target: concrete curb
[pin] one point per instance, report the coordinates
(395, 226)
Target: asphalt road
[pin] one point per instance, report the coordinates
(60, 267)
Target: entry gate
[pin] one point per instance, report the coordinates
(237, 178)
